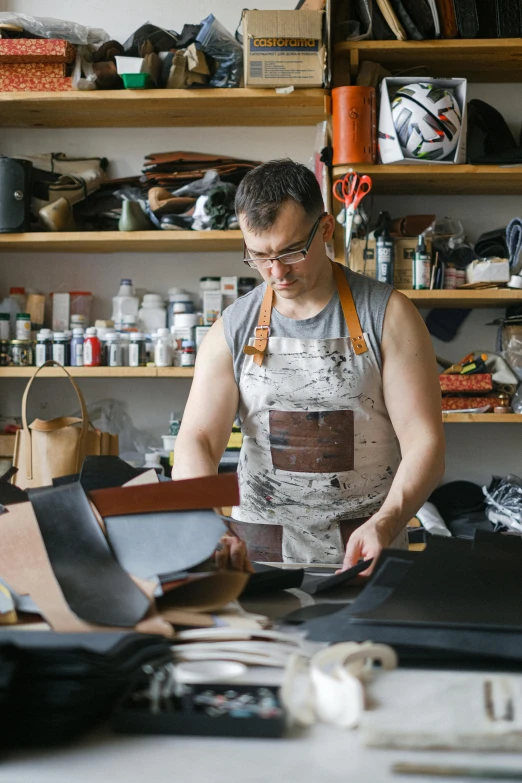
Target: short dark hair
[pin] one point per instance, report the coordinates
(265, 189)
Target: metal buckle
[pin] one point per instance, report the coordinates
(264, 337)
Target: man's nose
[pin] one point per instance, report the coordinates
(279, 270)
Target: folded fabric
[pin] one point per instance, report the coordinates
(514, 243)
(444, 324)
(492, 244)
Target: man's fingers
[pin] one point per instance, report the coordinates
(352, 554)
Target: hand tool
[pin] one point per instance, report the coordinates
(350, 190)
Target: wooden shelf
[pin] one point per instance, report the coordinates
(440, 179)
(100, 372)
(503, 297)
(478, 60)
(122, 241)
(482, 418)
(161, 108)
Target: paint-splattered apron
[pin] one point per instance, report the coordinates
(319, 451)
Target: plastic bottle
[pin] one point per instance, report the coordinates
(152, 462)
(113, 350)
(60, 348)
(137, 351)
(5, 326)
(77, 346)
(180, 301)
(163, 349)
(91, 349)
(19, 295)
(152, 314)
(188, 353)
(129, 323)
(23, 326)
(10, 306)
(384, 250)
(44, 347)
(421, 265)
(125, 302)
(78, 321)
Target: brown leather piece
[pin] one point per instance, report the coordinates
(206, 492)
(162, 202)
(349, 310)
(447, 18)
(264, 542)
(312, 442)
(411, 225)
(354, 125)
(188, 159)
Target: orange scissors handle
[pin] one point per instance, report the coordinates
(351, 189)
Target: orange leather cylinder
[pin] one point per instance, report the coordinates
(354, 125)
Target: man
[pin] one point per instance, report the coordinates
(335, 381)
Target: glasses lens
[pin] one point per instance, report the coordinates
(258, 263)
(292, 258)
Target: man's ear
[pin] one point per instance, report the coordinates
(328, 228)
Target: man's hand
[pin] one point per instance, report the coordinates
(232, 554)
(367, 543)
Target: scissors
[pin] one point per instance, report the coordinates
(350, 190)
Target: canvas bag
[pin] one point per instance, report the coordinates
(45, 450)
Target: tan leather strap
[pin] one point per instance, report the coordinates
(349, 310)
(27, 430)
(262, 332)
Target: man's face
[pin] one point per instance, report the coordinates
(290, 232)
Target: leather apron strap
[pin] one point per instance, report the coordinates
(262, 331)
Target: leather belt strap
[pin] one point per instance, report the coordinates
(349, 310)
(262, 331)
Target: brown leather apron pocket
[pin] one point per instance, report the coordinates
(312, 442)
(264, 542)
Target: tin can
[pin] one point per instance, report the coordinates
(21, 353)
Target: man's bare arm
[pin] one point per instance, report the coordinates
(210, 410)
(412, 395)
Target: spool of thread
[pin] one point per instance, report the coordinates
(515, 281)
(354, 125)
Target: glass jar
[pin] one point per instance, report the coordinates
(61, 348)
(137, 351)
(44, 347)
(113, 350)
(5, 359)
(21, 353)
(23, 326)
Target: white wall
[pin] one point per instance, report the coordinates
(474, 452)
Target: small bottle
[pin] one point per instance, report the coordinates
(188, 353)
(91, 349)
(113, 351)
(129, 323)
(77, 344)
(163, 349)
(137, 351)
(450, 278)
(5, 326)
(384, 250)
(60, 348)
(152, 462)
(44, 347)
(421, 265)
(78, 320)
(460, 277)
(23, 326)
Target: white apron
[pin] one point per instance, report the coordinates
(318, 445)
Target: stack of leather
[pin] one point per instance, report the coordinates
(172, 170)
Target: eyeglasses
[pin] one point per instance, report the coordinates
(286, 258)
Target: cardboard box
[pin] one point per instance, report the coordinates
(404, 252)
(284, 48)
(34, 77)
(34, 50)
(480, 382)
(389, 148)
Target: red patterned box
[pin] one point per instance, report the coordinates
(34, 77)
(34, 50)
(481, 382)
(462, 403)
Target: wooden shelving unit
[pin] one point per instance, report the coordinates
(439, 179)
(162, 108)
(478, 60)
(122, 241)
(482, 418)
(503, 297)
(100, 372)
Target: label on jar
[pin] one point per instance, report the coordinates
(78, 354)
(23, 330)
(41, 354)
(188, 359)
(163, 355)
(134, 354)
(114, 355)
(87, 353)
(59, 353)
(5, 328)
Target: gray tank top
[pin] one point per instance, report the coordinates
(370, 297)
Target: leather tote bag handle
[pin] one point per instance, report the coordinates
(27, 431)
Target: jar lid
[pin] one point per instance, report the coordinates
(179, 297)
(110, 336)
(77, 317)
(21, 342)
(188, 344)
(152, 459)
(77, 331)
(176, 290)
(213, 279)
(24, 316)
(247, 280)
(137, 336)
(59, 335)
(5, 317)
(15, 290)
(126, 281)
(92, 331)
(80, 293)
(44, 333)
